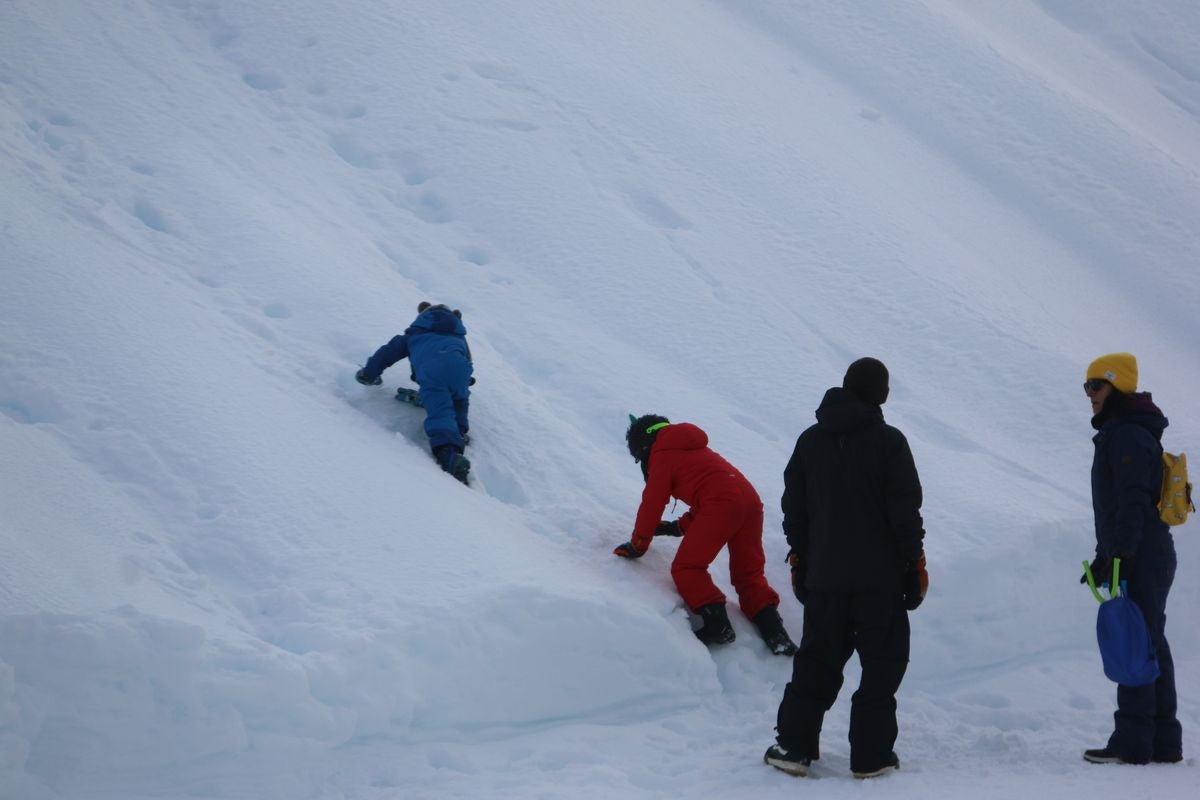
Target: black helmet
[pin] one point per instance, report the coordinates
(642, 432)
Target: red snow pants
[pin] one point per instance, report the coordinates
(733, 518)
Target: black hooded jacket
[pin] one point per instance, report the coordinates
(1127, 474)
(852, 499)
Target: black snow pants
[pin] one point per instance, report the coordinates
(1145, 726)
(835, 625)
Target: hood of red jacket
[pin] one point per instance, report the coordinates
(680, 436)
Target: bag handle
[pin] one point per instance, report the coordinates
(1116, 581)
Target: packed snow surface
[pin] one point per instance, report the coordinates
(227, 570)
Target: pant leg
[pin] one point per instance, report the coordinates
(747, 562)
(441, 425)
(708, 532)
(881, 636)
(443, 376)
(817, 667)
(461, 407)
(460, 390)
(1145, 722)
(1168, 733)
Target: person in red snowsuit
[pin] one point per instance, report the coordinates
(724, 511)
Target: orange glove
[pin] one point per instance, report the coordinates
(916, 583)
(799, 571)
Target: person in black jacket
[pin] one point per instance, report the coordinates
(852, 516)
(1126, 484)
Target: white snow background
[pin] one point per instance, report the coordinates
(229, 571)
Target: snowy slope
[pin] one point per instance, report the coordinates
(227, 570)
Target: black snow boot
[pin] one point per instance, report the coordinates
(715, 628)
(770, 627)
(789, 761)
(890, 764)
(451, 459)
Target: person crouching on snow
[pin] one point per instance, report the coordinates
(725, 511)
(436, 344)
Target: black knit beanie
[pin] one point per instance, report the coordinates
(867, 378)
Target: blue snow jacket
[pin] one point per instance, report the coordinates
(436, 344)
(1127, 475)
(436, 336)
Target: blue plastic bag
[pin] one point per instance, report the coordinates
(1125, 645)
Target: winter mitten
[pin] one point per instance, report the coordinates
(916, 583)
(668, 528)
(799, 570)
(628, 550)
(361, 377)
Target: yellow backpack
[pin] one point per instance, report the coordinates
(1175, 500)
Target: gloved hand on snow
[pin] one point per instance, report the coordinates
(668, 528)
(627, 550)
(361, 377)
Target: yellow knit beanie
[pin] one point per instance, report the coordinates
(1119, 369)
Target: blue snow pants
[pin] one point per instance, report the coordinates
(444, 374)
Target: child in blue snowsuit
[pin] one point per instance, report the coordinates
(436, 344)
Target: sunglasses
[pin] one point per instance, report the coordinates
(1094, 384)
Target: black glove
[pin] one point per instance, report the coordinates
(471, 382)
(668, 528)
(916, 583)
(361, 377)
(799, 571)
(627, 550)
(1101, 569)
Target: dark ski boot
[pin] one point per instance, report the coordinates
(770, 627)
(790, 761)
(410, 396)
(890, 764)
(451, 460)
(715, 627)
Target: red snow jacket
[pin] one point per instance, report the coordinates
(682, 466)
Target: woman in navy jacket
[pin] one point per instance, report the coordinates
(1126, 484)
